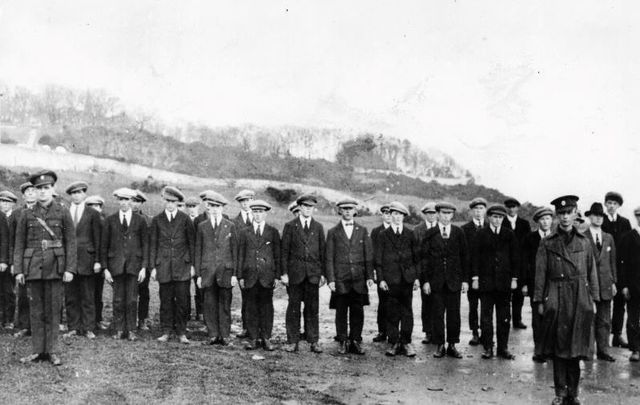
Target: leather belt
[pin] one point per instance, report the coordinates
(50, 244)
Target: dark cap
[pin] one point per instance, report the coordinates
(191, 201)
(478, 201)
(566, 201)
(293, 207)
(429, 208)
(447, 206)
(596, 209)
(140, 197)
(94, 199)
(613, 196)
(7, 195)
(541, 212)
(384, 208)
(307, 199)
(511, 202)
(25, 186)
(76, 186)
(171, 193)
(43, 177)
(497, 209)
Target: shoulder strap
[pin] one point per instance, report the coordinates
(46, 227)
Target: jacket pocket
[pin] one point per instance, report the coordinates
(26, 260)
(60, 259)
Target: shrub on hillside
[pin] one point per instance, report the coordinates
(283, 196)
(149, 185)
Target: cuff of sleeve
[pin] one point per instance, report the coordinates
(475, 278)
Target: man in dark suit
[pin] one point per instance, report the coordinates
(478, 207)
(79, 293)
(520, 228)
(420, 231)
(45, 257)
(216, 267)
(349, 275)
(258, 269)
(629, 280)
(7, 292)
(171, 257)
(617, 226)
(397, 256)
(544, 218)
(495, 275)
(29, 197)
(97, 203)
(125, 252)
(143, 288)
(303, 272)
(191, 204)
(604, 250)
(244, 220)
(444, 274)
(381, 318)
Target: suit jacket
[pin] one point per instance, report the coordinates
(240, 224)
(5, 240)
(12, 222)
(629, 262)
(470, 232)
(497, 259)
(216, 253)
(88, 234)
(606, 263)
(349, 260)
(124, 252)
(616, 229)
(420, 231)
(445, 262)
(397, 256)
(259, 256)
(530, 245)
(522, 229)
(303, 254)
(172, 247)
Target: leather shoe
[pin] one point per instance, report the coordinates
(55, 360)
(70, 334)
(573, 401)
(291, 348)
(558, 401)
(315, 348)
(519, 325)
(117, 335)
(356, 348)
(440, 352)
(268, 346)
(343, 348)
(453, 352)
(30, 358)
(538, 359)
(487, 354)
(251, 345)
(132, 337)
(619, 341)
(21, 333)
(506, 354)
(183, 339)
(605, 356)
(393, 349)
(163, 338)
(427, 339)
(475, 340)
(409, 351)
(142, 325)
(380, 337)
(635, 356)
(243, 334)
(90, 335)
(223, 342)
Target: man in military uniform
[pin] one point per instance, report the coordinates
(125, 252)
(244, 220)
(381, 318)
(349, 275)
(495, 274)
(566, 286)
(45, 256)
(478, 207)
(420, 231)
(303, 269)
(520, 228)
(79, 294)
(7, 292)
(172, 257)
(397, 258)
(97, 203)
(544, 218)
(258, 269)
(617, 226)
(629, 279)
(29, 197)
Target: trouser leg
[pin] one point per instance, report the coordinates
(393, 314)
(573, 377)
(617, 320)
(633, 323)
(22, 319)
(560, 371)
(7, 297)
(252, 312)
(406, 321)
(265, 312)
(119, 302)
(438, 311)
(87, 305)
(98, 290)
(474, 305)
(36, 293)
(131, 300)
(224, 311)
(210, 295)
(517, 300)
(503, 319)
(166, 307)
(73, 304)
(54, 296)
(356, 317)
(296, 294)
(381, 315)
(425, 314)
(536, 321)
(452, 306)
(143, 297)
(311, 311)
(603, 324)
(181, 305)
(487, 302)
(342, 309)
(243, 308)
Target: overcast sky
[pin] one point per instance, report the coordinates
(537, 98)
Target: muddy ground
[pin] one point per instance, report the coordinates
(105, 371)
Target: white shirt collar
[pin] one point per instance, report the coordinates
(258, 225)
(446, 227)
(478, 222)
(170, 215)
(352, 222)
(246, 214)
(596, 231)
(126, 214)
(303, 220)
(542, 233)
(386, 225)
(397, 228)
(430, 224)
(215, 220)
(494, 230)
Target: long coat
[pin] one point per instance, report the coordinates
(629, 259)
(349, 261)
(216, 253)
(124, 252)
(567, 285)
(259, 257)
(445, 263)
(172, 247)
(528, 254)
(606, 263)
(88, 234)
(496, 259)
(397, 256)
(303, 253)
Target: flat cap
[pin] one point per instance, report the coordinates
(214, 197)
(43, 177)
(511, 202)
(579, 217)
(307, 199)
(398, 207)
(541, 212)
(497, 209)
(204, 192)
(260, 205)
(7, 195)
(613, 196)
(191, 201)
(429, 207)
(124, 192)
(478, 201)
(76, 186)
(25, 186)
(140, 196)
(566, 201)
(384, 208)
(444, 205)
(293, 207)
(171, 193)
(347, 203)
(245, 195)
(94, 199)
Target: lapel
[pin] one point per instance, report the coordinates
(558, 247)
(305, 238)
(258, 241)
(342, 234)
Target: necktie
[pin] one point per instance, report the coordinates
(125, 225)
(258, 230)
(398, 231)
(247, 220)
(598, 242)
(444, 233)
(349, 224)
(306, 226)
